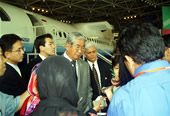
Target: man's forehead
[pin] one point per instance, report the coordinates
(17, 46)
(79, 42)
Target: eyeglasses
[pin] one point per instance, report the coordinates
(19, 50)
(78, 47)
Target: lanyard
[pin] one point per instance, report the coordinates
(152, 70)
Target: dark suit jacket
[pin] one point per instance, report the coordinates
(106, 77)
(83, 86)
(11, 82)
(29, 66)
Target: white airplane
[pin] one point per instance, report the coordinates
(29, 25)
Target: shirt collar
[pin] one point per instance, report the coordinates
(91, 63)
(66, 56)
(42, 57)
(152, 65)
(13, 65)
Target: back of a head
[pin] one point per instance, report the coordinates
(56, 73)
(7, 41)
(167, 40)
(142, 42)
(40, 41)
(57, 88)
(72, 36)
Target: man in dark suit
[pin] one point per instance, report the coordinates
(12, 82)
(9, 101)
(44, 45)
(75, 44)
(103, 73)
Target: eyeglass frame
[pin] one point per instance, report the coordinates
(19, 50)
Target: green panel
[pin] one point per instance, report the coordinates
(166, 17)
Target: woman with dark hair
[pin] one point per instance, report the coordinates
(56, 85)
(121, 76)
(56, 88)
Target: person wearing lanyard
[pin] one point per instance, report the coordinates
(148, 94)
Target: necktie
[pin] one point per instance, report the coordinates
(74, 68)
(96, 78)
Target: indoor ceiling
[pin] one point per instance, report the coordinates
(113, 11)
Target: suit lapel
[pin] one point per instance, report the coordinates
(13, 70)
(101, 72)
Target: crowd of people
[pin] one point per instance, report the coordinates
(66, 85)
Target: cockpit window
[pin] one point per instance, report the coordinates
(3, 15)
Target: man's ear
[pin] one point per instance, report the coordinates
(129, 59)
(130, 64)
(7, 54)
(67, 46)
(41, 48)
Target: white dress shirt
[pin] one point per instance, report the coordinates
(42, 57)
(97, 69)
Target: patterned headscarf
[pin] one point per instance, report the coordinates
(34, 99)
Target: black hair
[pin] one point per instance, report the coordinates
(124, 74)
(142, 42)
(40, 41)
(7, 42)
(167, 40)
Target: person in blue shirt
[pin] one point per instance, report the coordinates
(8, 104)
(148, 94)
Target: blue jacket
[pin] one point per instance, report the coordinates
(146, 95)
(8, 104)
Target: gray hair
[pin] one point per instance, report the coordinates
(74, 35)
(90, 44)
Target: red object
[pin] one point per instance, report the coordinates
(23, 109)
(43, 20)
(166, 31)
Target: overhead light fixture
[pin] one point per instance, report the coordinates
(129, 17)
